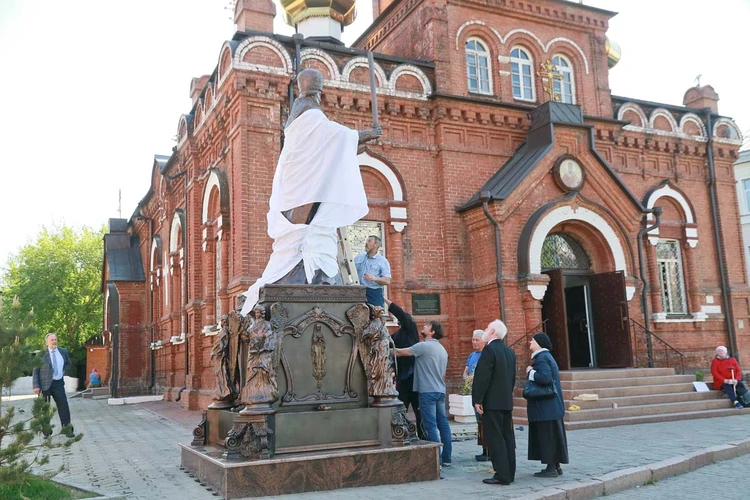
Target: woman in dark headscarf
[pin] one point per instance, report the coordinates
(547, 440)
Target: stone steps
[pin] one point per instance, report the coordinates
(635, 400)
(632, 396)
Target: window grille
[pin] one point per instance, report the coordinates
(669, 263)
(560, 251)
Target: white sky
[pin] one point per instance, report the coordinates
(92, 89)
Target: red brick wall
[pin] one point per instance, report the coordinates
(443, 150)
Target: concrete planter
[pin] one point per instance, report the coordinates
(461, 408)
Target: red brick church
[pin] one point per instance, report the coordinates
(500, 189)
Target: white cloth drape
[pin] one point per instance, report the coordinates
(317, 164)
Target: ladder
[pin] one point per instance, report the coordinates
(347, 268)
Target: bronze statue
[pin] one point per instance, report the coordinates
(260, 389)
(377, 353)
(318, 353)
(225, 387)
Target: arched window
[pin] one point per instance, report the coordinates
(565, 88)
(478, 66)
(671, 278)
(522, 76)
(560, 251)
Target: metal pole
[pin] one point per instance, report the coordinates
(373, 90)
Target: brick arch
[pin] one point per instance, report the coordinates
(635, 109)
(730, 127)
(183, 128)
(323, 60)
(216, 181)
(470, 25)
(361, 62)
(529, 36)
(666, 189)
(208, 97)
(691, 118)
(390, 175)
(592, 222)
(408, 69)
(155, 260)
(198, 113)
(268, 45)
(569, 49)
(225, 60)
(667, 117)
(483, 33)
(176, 231)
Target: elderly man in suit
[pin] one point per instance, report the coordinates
(48, 379)
(492, 395)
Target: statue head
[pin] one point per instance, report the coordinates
(378, 312)
(241, 298)
(224, 322)
(310, 83)
(259, 312)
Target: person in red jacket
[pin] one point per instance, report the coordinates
(727, 375)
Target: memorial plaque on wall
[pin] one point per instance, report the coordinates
(425, 304)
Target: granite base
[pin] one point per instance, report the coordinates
(303, 472)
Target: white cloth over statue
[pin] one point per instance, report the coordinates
(317, 164)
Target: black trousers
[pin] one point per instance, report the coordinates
(57, 392)
(501, 442)
(409, 397)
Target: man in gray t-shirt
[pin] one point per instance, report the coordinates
(431, 360)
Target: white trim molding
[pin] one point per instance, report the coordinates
(261, 41)
(176, 226)
(399, 214)
(583, 214)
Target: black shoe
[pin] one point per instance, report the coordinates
(492, 480)
(447, 465)
(546, 473)
(481, 458)
(559, 471)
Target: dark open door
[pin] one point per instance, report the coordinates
(609, 308)
(553, 310)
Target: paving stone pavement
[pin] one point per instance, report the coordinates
(133, 451)
(724, 479)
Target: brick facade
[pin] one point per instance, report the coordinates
(201, 226)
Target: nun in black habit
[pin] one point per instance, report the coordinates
(547, 440)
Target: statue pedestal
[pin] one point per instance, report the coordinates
(324, 431)
(313, 471)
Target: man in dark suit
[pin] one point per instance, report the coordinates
(406, 336)
(492, 395)
(48, 379)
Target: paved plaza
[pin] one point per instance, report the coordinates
(132, 451)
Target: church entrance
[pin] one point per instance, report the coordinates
(586, 313)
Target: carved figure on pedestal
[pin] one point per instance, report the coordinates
(260, 388)
(225, 387)
(376, 350)
(318, 353)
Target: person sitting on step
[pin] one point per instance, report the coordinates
(728, 376)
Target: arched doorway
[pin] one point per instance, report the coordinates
(586, 310)
(569, 299)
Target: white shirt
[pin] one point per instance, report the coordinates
(57, 373)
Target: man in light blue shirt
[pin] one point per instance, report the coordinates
(374, 271)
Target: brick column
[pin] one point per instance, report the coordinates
(690, 269)
(654, 294)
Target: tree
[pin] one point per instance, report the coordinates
(16, 357)
(59, 276)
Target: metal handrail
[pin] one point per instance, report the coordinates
(649, 349)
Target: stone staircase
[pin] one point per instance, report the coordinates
(633, 396)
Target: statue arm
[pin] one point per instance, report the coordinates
(370, 135)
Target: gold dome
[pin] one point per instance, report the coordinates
(343, 11)
(614, 53)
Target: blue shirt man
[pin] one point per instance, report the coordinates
(471, 362)
(374, 271)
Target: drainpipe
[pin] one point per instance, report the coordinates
(713, 192)
(152, 356)
(485, 198)
(657, 211)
